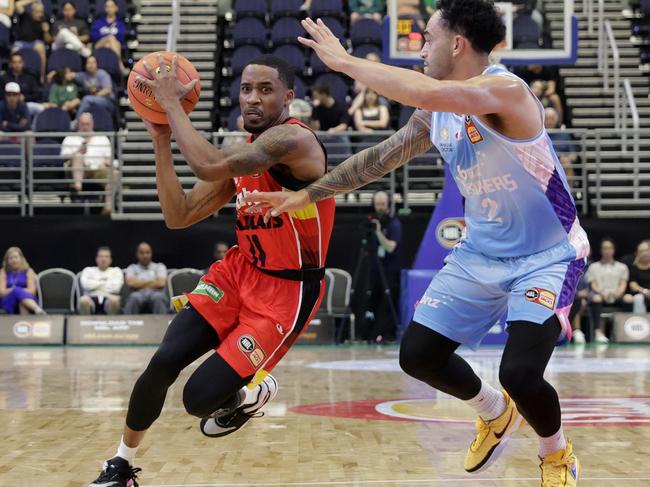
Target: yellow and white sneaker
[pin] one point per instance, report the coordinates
(492, 437)
(560, 469)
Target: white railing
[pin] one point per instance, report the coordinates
(174, 27)
(607, 43)
(629, 107)
(588, 12)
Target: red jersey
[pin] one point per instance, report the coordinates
(291, 241)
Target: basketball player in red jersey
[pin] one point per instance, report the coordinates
(253, 304)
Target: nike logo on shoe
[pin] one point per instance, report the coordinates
(500, 434)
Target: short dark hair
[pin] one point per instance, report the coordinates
(321, 88)
(477, 20)
(13, 55)
(104, 247)
(608, 239)
(285, 73)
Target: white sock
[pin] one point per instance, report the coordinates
(126, 452)
(552, 444)
(489, 403)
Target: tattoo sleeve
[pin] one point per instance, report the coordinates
(373, 163)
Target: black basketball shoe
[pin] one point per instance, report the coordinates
(117, 472)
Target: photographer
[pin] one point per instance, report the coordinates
(385, 255)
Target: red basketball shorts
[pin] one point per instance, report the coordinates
(257, 317)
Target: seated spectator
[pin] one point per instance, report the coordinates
(538, 87)
(14, 115)
(97, 87)
(63, 92)
(101, 285)
(629, 259)
(327, 114)
(360, 89)
(7, 8)
(608, 281)
(532, 72)
(18, 284)
(147, 279)
(373, 9)
(371, 115)
(90, 157)
(109, 31)
(563, 143)
(640, 282)
(32, 30)
(30, 89)
(578, 309)
(301, 110)
(71, 32)
(236, 139)
(220, 249)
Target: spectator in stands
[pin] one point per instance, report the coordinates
(236, 139)
(63, 92)
(97, 87)
(532, 72)
(30, 89)
(109, 31)
(71, 32)
(563, 143)
(14, 115)
(327, 115)
(629, 259)
(90, 157)
(360, 89)
(373, 9)
(148, 280)
(578, 310)
(32, 30)
(101, 286)
(608, 280)
(548, 100)
(18, 284)
(301, 110)
(371, 115)
(640, 282)
(7, 8)
(220, 250)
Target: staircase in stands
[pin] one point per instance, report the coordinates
(591, 107)
(198, 42)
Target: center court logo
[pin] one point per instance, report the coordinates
(449, 232)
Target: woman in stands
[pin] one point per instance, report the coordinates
(18, 284)
(109, 31)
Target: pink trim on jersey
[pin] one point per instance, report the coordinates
(563, 316)
(538, 161)
(578, 240)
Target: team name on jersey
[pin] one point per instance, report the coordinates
(256, 222)
(243, 207)
(472, 183)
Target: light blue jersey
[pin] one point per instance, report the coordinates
(517, 200)
(524, 250)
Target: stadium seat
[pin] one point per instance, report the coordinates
(57, 290)
(293, 55)
(233, 91)
(336, 27)
(365, 31)
(102, 118)
(5, 39)
(181, 281)
(52, 120)
(232, 118)
(241, 57)
(109, 62)
(82, 7)
(286, 8)
(64, 58)
(249, 31)
(9, 155)
(338, 296)
(327, 8)
(337, 85)
(32, 61)
(286, 31)
(317, 66)
(405, 113)
(47, 153)
(364, 49)
(525, 32)
(250, 8)
(299, 87)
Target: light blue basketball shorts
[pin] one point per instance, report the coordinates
(473, 291)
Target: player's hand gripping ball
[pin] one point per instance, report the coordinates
(141, 94)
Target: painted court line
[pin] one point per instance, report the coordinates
(389, 481)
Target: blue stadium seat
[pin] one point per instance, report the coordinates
(405, 113)
(336, 27)
(250, 8)
(293, 55)
(286, 8)
(5, 38)
(249, 31)
(82, 7)
(232, 118)
(365, 31)
(241, 57)
(32, 61)
(9, 155)
(233, 91)
(286, 31)
(299, 87)
(109, 62)
(327, 8)
(52, 120)
(337, 85)
(64, 58)
(317, 66)
(525, 32)
(364, 49)
(47, 153)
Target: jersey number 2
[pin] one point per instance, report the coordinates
(492, 207)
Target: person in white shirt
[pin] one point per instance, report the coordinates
(101, 286)
(608, 281)
(148, 281)
(90, 157)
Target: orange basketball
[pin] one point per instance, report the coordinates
(141, 97)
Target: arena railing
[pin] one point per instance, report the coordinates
(12, 172)
(607, 43)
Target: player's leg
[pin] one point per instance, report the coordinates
(188, 337)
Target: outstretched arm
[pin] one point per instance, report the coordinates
(360, 169)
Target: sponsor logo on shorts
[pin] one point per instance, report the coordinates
(429, 301)
(278, 327)
(251, 350)
(209, 290)
(449, 232)
(541, 296)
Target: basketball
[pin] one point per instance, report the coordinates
(141, 95)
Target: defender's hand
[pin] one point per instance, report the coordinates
(327, 46)
(279, 202)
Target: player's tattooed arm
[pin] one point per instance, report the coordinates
(373, 163)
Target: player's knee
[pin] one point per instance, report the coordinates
(165, 364)
(416, 357)
(196, 400)
(519, 380)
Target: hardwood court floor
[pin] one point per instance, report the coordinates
(332, 424)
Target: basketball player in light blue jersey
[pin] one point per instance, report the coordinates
(524, 249)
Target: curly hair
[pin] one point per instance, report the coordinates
(477, 20)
